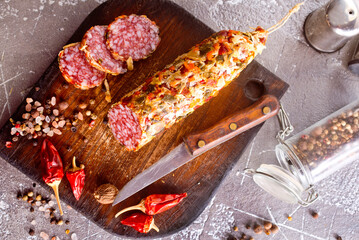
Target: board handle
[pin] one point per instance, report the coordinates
(264, 108)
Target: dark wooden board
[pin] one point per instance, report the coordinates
(108, 162)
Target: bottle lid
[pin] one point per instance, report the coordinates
(282, 184)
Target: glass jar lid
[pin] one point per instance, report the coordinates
(282, 184)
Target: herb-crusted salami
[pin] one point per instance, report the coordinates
(132, 36)
(76, 70)
(94, 45)
(176, 91)
(186, 84)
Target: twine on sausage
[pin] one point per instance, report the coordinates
(284, 20)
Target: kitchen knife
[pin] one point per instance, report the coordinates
(195, 144)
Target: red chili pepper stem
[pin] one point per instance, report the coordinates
(140, 206)
(75, 167)
(55, 187)
(153, 226)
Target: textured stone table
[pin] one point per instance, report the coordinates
(33, 31)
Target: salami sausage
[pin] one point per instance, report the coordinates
(186, 84)
(176, 91)
(76, 70)
(94, 46)
(132, 36)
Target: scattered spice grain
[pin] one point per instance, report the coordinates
(257, 229)
(315, 215)
(267, 225)
(274, 229)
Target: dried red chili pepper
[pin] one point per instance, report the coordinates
(140, 222)
(51, 166)
(156, 203)
(76, 177)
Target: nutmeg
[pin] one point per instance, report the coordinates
(106, 193)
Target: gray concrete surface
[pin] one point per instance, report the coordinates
(33, 31)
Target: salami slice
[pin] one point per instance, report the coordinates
(76, 70)
(125, 126)
(186, 84)
(132, 36)
(94, 45)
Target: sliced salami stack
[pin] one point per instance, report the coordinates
(94, 45)
(108, 49)
(76, 69)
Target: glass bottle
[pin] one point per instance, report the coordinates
(310, 156)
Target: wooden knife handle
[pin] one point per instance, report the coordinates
(265, 107)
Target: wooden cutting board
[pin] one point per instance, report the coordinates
(107, 161)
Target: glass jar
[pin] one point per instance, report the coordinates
(310, 156)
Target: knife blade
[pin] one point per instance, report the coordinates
(198, 143)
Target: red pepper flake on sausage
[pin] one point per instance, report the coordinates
(94, 46)
(76, 70)
(132, 36)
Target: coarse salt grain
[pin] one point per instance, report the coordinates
(44, 236)
(74, 236)
(57, 131)
(28, 107)
(53, 101)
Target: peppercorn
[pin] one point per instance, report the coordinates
(339, 238)
(274, 229)
(31, 232)
(267, 225)
(34, 184)
(32, 209)
(19, 196)
(248, 226)
(315, 215)
(60, 222)
(38, 197)
(257, 229)
(53, 220)
(73, 129)
(67, 222)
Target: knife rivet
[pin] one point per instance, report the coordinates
(201, 143)
(266, 110)
(233, 126)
